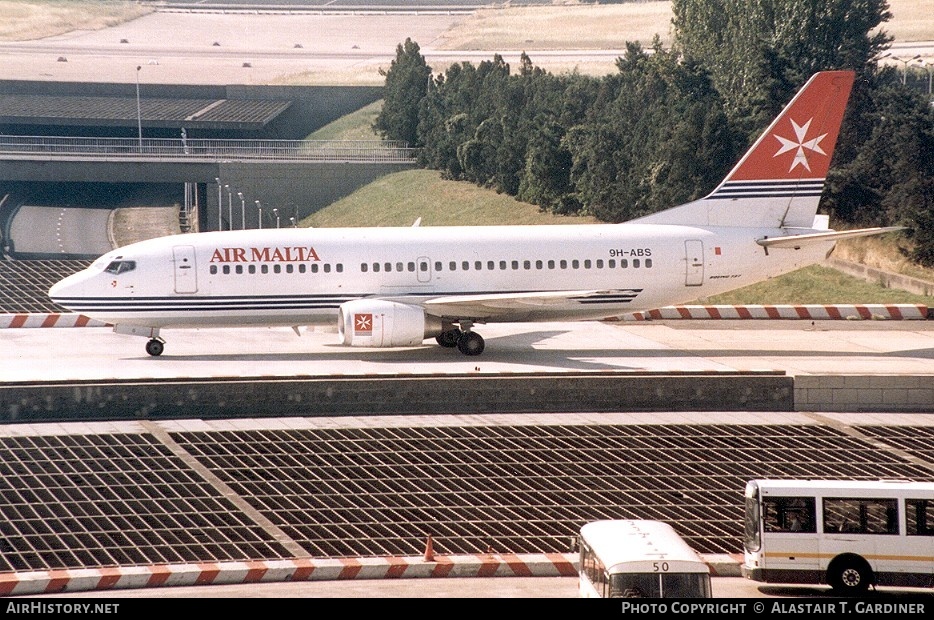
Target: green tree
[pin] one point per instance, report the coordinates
(407, 82)
(759, 52)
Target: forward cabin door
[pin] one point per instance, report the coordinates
(694, 269)
(186, 276)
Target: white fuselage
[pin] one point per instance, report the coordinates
(300, 276)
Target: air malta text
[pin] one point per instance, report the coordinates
(296, 254)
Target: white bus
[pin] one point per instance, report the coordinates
(639, 559)
(846, 534)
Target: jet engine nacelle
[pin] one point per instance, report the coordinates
(376, 323)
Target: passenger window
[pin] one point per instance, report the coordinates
(302, 268)
(611, 263)
(587, 264)
(635, 263)
(226, 269)
(478, 265)
(252, 268)
(575, 264)
(599, 263)
(452, 266)
(623, 263)
(386, 267)
(538, 264)
(399, 267)
(411, 267)
(364, 267)
(376, 267)
(277, 268)
(564, 264)
(264, 268)
(213, 269)
(502, 264)
(527, 264)
(327, 267)
(648, 263)
(515, 264)
(239, 269)
(438, 265)
(490, 265)
(551, 264)
(339, 268)
(314, 268)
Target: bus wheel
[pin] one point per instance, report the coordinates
(849, 576)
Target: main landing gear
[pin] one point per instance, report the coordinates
(466, 341)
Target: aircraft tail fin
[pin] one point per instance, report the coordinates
(779, 181)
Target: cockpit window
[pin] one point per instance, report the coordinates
(121, 266)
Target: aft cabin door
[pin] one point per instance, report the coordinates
(694, 255)
(186, 276)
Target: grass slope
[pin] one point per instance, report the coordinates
(399, 199)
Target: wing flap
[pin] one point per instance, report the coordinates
(499, 303)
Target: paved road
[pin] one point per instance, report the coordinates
(794, 347)
(71, 230)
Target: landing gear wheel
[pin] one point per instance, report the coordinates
(849, 577)
(449, 338)
(155, 347)
(470, 343)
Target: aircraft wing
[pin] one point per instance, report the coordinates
(797, 241)
(485, 305)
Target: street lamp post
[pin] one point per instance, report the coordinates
(139, 111)
(259, 209)
(229, 208)
(242, 211)
(276, 213)
(905, 61)
(927, 65)
(220, 202)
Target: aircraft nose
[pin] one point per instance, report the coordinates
(66, 289)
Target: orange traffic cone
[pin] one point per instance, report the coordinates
(429, 550)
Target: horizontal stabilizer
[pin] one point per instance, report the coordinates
(797, 241)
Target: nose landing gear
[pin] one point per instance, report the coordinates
(155, 347)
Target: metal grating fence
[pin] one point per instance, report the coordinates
(70, 501)
(106, 500)
(24, 285)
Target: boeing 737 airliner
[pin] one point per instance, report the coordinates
(390, 287)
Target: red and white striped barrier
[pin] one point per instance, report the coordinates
(272, 571)
(894, 312)
(48, 320)
(483, 565)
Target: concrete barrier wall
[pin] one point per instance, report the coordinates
(264, 397)
(855, 393)
(471, 394)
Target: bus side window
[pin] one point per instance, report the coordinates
(919, 517)
(789, 514)
(861, 515)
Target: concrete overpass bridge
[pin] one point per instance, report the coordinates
(230, 183)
